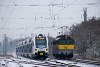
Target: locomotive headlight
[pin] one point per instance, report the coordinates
(36, 49)
(46, 49)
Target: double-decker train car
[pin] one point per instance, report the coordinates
(63, 47)
(34, 47)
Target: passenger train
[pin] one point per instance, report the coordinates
(63, 47)
(34, 47)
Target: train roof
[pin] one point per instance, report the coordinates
(40, 35)
(62, 36)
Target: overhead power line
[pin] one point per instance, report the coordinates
(53, 4)
(38, 18)
(24, 5)
(58, 12)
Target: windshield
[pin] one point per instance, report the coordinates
(65, 41)
(41, 43)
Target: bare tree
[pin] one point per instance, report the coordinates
(87, 37)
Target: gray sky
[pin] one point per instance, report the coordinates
(20, 18)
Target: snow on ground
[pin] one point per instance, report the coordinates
(13, 63)
(78, 63)
(22, 65)
(25, 62)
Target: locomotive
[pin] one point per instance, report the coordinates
(33, 47)
(63, 47)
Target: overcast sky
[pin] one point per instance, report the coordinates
(20, 18)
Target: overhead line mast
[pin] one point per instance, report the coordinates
(85, 14)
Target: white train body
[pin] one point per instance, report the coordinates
(33, 47)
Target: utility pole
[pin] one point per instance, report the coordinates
(4, 45)
(85, 14)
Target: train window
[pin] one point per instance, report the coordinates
(22, 43)
(30, 39)
(70, 41)
(30, 50)
(27, 46)
(30, 45)
(25, 42)
(23, 47)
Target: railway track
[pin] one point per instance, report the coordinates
(87, 61)
(45, 63)
(83, 61)
(51, 62)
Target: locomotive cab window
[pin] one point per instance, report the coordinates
(41, 42)
(70, 42)
(65, 41)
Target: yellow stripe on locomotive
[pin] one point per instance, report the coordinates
(65, 47)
